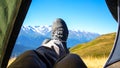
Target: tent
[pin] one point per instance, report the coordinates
(114, 58)
(12, 14)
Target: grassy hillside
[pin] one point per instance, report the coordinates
(98, 47)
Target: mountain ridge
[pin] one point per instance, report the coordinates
(45, 31)
(31, 37)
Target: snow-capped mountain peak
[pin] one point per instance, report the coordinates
(37, 29)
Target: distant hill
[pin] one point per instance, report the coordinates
(101, 46)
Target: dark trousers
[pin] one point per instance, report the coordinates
(44, 57)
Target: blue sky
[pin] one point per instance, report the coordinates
(85, 15)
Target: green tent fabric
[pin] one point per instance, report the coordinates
(8, 13)
(12, 14)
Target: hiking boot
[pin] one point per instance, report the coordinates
(60, 30)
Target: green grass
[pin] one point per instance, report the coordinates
(98, 47)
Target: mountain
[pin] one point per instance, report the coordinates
(31, 37)
(99, 47)
(77, 36)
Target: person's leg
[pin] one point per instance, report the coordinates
(29, 59)
(51, 51)
(70, 61)
(55, 48)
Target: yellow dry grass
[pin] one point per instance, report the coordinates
(94, 62)
(11, 60)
